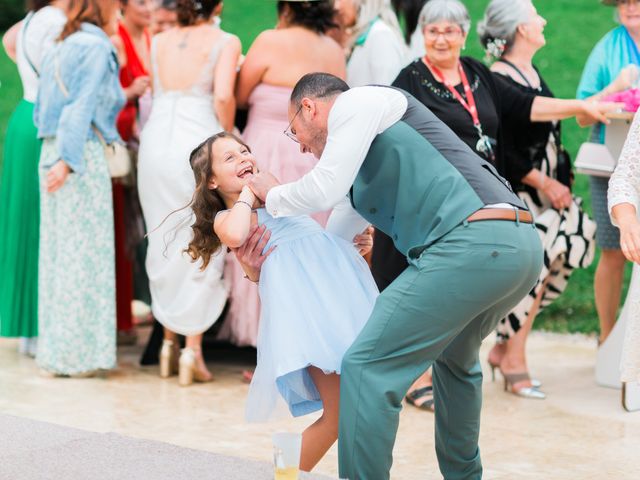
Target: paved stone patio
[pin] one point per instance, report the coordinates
(579, 432)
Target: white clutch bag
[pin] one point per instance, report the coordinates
(595, 159)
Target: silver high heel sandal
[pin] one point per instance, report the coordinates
(535, 383)
(510, 379)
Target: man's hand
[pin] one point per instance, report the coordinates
(261, 183)
(250, 253)
(364, 241)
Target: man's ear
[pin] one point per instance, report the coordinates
(309, 106)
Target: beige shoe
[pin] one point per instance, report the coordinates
(188, 371)
(169, 358)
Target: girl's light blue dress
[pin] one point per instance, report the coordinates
(317, 293)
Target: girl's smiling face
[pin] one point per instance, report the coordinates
(233, 164)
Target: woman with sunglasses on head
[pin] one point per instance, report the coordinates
(472, 101)
(298, 45)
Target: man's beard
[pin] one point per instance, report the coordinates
(319, 142)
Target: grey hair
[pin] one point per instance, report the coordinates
(500, 23)
(452, 11)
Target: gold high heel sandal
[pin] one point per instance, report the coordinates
(168, 358)
(188, 372)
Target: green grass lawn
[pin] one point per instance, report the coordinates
(574, 26)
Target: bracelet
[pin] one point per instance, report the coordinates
(248, 278)
(246, 203)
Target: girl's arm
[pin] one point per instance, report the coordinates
(224, 83)
(232, 226)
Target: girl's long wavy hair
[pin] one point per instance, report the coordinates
(206, 202)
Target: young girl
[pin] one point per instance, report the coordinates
(315, 288)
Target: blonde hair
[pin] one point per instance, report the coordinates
(368, 11)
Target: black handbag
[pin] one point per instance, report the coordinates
(564, 172)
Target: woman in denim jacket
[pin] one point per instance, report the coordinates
(79, 94)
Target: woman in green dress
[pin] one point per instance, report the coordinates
(26, 43)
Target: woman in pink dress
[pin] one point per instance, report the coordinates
(273, 65)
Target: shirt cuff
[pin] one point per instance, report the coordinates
(272, 202)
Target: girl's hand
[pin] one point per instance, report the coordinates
(364, 241)
(57, 175)
(247, 195)
(630, 240)
(558, 193)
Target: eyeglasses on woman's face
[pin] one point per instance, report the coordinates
(450, 34)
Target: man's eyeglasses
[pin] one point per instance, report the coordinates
(287, 131)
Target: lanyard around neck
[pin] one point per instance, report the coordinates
(483, 144)
(469, 104)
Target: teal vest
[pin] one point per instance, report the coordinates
(413, 201)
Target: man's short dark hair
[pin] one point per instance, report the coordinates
(317, 86)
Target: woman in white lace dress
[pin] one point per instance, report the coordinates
(624, 199)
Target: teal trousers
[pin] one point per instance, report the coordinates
(436, 313)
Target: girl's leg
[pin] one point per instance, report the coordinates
(323, 433)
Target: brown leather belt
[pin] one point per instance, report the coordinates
(501, 214)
